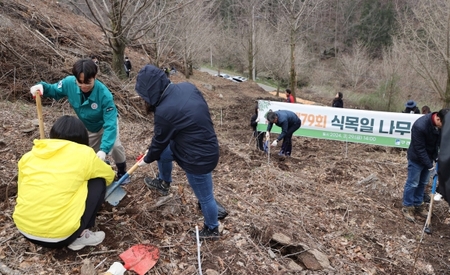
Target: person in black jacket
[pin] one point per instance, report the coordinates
(127, 64)
(444, 162)
(422, 152)
(411, 107)
(257, 134)
(337, 101)
(184, 132)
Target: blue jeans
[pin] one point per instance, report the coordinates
(201, 184)
(415, 184)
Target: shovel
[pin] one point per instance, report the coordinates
(114, 192)
(40, 117)
(427, 227)
(140, 258)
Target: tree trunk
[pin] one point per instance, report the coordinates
(117, 41)
(447, 90)
(117, 58)
(292, 73)
(250, 60)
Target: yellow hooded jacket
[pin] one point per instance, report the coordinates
(52, 187)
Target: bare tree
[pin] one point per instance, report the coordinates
(426, 36)
(274, 56)
(356, 65)
(193, 32)
(221, 45)
(249, 17)
(122, 21)
(295, 14)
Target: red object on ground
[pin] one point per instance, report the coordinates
(140, 258)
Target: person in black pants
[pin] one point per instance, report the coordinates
(127, 64)
(257, 134)
(289, 122)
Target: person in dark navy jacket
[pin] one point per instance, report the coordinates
(184, 132)
(289, 122)
(422, 153)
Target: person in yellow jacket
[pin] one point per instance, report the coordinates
(61, 187)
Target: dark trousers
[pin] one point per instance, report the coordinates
(259, 140)
(94, 200)
(286, 147)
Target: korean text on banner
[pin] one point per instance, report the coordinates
(351, 125)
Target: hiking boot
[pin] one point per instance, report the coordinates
(161, 186)
(87, 238)
(408, 212)
(207, 234)
(421, 210)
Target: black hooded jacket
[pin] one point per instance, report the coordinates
(444, 161)
(182, 119)
(425, 140)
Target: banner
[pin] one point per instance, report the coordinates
(351, 125)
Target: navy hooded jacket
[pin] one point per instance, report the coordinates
(425, 140)
(181, 119)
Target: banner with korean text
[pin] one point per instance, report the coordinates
(351, 125)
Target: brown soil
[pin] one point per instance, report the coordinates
(341, 199)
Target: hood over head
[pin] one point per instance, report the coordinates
(151, 82)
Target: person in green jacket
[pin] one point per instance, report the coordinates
(61, 186)
(94, 105)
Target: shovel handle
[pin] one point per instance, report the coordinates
(40, 118)
(136, 165)
(133, 168)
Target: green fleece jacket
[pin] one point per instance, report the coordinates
(96, 112)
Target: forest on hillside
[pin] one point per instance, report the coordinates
(380, 53)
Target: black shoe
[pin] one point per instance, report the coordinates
(207, 234)
(221, 211)
(161, 186)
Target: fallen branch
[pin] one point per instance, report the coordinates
(98, 253)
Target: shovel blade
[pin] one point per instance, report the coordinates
(140, 258)
(116, 196)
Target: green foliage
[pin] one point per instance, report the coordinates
(375, 25)
(385, 98)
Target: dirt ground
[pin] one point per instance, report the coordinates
(340, 199)
(332, 208)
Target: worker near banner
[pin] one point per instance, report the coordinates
(289, 122)
(422, 152)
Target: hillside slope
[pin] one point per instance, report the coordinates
(332, 208)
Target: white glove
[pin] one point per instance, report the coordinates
(274, 143)
(37, 89)
(142, 162)
(267, 135)
(117, 269)
(101, 155)
(257, 120)
(432, 172)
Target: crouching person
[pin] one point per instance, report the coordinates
(61, 187)
(184, 132)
